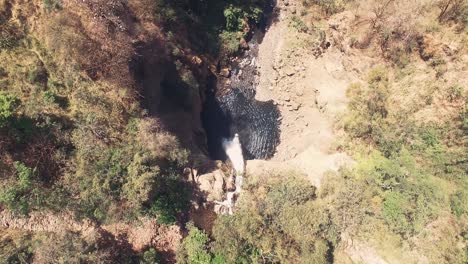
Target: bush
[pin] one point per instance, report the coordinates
(151, 256)
(165, 12)
(369, 107)
(298, 24)
(458, 202)
(141, 181)
(21, 194)
(67, 247)
(52, 5)
(16, 247)
(171, 199)
(194, 248)
(230, 42)
(455, 92)
(237, 18)
(9, 35)
(269, 224)
(412, 197)
(234, 18)
(328, 6)
(464, 119)
(38, 75)
(8, 105)
(396, 212)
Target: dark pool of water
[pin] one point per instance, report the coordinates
(257, 124)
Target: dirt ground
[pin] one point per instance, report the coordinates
(139, 234)
(310, 93)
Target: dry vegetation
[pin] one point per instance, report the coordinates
(73, 133)
(81, 130)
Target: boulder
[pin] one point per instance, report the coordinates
(225, 72)
(197, 60)
(211, 184)
(243, 44)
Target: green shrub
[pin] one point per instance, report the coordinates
(176, 51)
(458, 203)
(230, 42)
(194, 248)
(172, 198)
(52, 5)
(399, 56)
(188, 78)
(454, 93)
(396, 211)
(49, 97)
(236, 16)
(429, 136)
(8, 105)
(269, 224)
(166, 12)
(369, 109)
(437, 61)
(68, 247)
(151, 256)
(297, 23)
(328, 6)
(141, 180)
(17, 248)
(21, 194)
(412, 198)
(464, 118)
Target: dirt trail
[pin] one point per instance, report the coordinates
(310, 93)
(140, 234)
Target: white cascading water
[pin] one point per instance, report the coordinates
(233, 149)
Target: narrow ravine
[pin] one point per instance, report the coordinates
(230, 107)
(237, 126)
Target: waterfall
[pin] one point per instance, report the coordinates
(233, 149)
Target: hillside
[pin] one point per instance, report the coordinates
(352, 116)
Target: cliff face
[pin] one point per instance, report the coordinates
(86, 82)
(120, 43)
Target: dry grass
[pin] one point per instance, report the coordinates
(156, 139)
